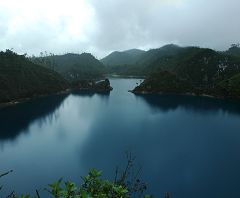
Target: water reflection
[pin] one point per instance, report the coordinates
(17, 118)
(86, 93)
(104, 96)
(186, 145)
(197, 104)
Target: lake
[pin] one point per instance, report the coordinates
(188, 146)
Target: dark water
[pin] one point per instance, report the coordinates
(189, 146)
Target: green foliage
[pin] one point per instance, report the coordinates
(93, 186)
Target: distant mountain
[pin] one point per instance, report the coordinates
(144, 62)
(153, 55)
(127, 57)
(20, 78)
(73, 66)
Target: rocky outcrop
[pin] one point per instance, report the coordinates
(96, 86)
(102, 86)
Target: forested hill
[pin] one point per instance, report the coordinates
(73, 66)
(205, 71)
(20, 78)
(139, 66)
(179, 59)
(117, 58)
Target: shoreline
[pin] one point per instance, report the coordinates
(98, 87)
(67, 91)
(125, 76)
(183, 94)
(22, 100)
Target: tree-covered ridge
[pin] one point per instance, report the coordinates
(73, 66)
(117, 58)
(206, 70)
(20, 78)
(234, 50)
(230, 87)
(140, 65)
(163, 82)
(178, 60)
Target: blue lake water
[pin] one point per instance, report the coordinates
(188, 146)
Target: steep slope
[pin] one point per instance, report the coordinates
(73, 66)
(20, 78)
(127, 57)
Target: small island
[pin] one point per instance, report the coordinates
(91, 85)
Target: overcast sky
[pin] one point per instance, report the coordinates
(103, 26)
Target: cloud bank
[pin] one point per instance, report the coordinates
(100, 27)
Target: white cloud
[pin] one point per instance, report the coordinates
(36, 26)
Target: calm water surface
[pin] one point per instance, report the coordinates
(189, 146)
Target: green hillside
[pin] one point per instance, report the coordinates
(73, 66)
(164, 82)
(205, 67)
(123, 58)
(20, 78)
(230, 87)
(234, 50)
(206, 70)
(146, 62)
